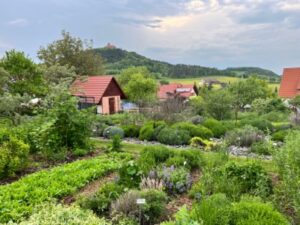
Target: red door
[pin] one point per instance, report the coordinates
(112, 103)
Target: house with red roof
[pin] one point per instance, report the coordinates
(290, 83)
(104, 92)
(174, 90)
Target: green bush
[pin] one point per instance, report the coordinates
(152, 156)
(155, 205)
(194, 130)
(171, 136)
(215, 126)
(130, 174)
(112, 131)
(116, 143)
(100, 202)
(19, 198)
(146, 132)
(58, 214)
(176, 180)
(244, 136)
(131, 130)
(79, 152)
(249, 212)
(261, 124)
(262, 148)
(194, 158)
(213, 210)
(13, 154)
(157, 131)
(252, 178)
(176, 161)
(280, 135)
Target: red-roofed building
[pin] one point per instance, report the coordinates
(102, 91)
(290, 83)
(169, 91)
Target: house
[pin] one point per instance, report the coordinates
(290, 83)
(169, 91)
(101, 91)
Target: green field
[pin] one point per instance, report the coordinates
(224, 79)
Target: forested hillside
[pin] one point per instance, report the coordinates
(118, 59)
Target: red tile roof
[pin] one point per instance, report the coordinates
(92, 86)
(183, 90)
(290, 83)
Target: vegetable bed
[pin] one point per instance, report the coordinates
(19, 198)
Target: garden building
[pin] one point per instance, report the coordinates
(174, 90)
(290, 83)
(104, 92)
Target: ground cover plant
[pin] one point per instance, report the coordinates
(19, 198)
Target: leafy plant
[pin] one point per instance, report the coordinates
(194, 130)
(19, 198)
(131, 130)
(130, 174)
(172, 136)
(215, 126)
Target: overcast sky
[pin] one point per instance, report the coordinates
(217, 33)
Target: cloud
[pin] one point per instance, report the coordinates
(18, 22)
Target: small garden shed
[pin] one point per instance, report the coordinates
(103, 92)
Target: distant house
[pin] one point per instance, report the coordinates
(101, 91)
(174, 90)
(290, 83)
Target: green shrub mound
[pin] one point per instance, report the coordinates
(131, 131)
(112, 131)
(194, 130)
(261, 124)
(58, 214)
(262, 148)
(19, 198)
(249, 212)
(171, 136)
(280, 135)
(217, 209)
(147, 132)
(218, 129)
(13, 154)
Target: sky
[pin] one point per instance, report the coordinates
(215, 33)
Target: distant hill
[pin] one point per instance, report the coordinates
(118, 59)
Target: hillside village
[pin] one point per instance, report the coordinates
(87, 136)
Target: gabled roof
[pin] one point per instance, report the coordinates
(183, 90)
(290, 83)
(94, 87)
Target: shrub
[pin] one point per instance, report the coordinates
(112, 131)
(213, 210)
(194, 158)
(182, 217)
(157, 131)
(80, 152)
(126, 205)
(252, 178)
(152, 156)
(245, 136)
(57, 214)
(280, 135)
(249, 212)
(130, 175)
(152, 210)
(176, 180)
(194, 130)
(13, 154)
(172, 136)
(100, 202)
(116, 143)
(261, 124)
(176, 161)
(262, 148)
(197, 120)
(147, 132)
(131, 130)
(199, 142)
(215, 126)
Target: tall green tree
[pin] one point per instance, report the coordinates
(139, 85)
(247, 90)
(71, 51)
(22, 75)
(218, 104)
